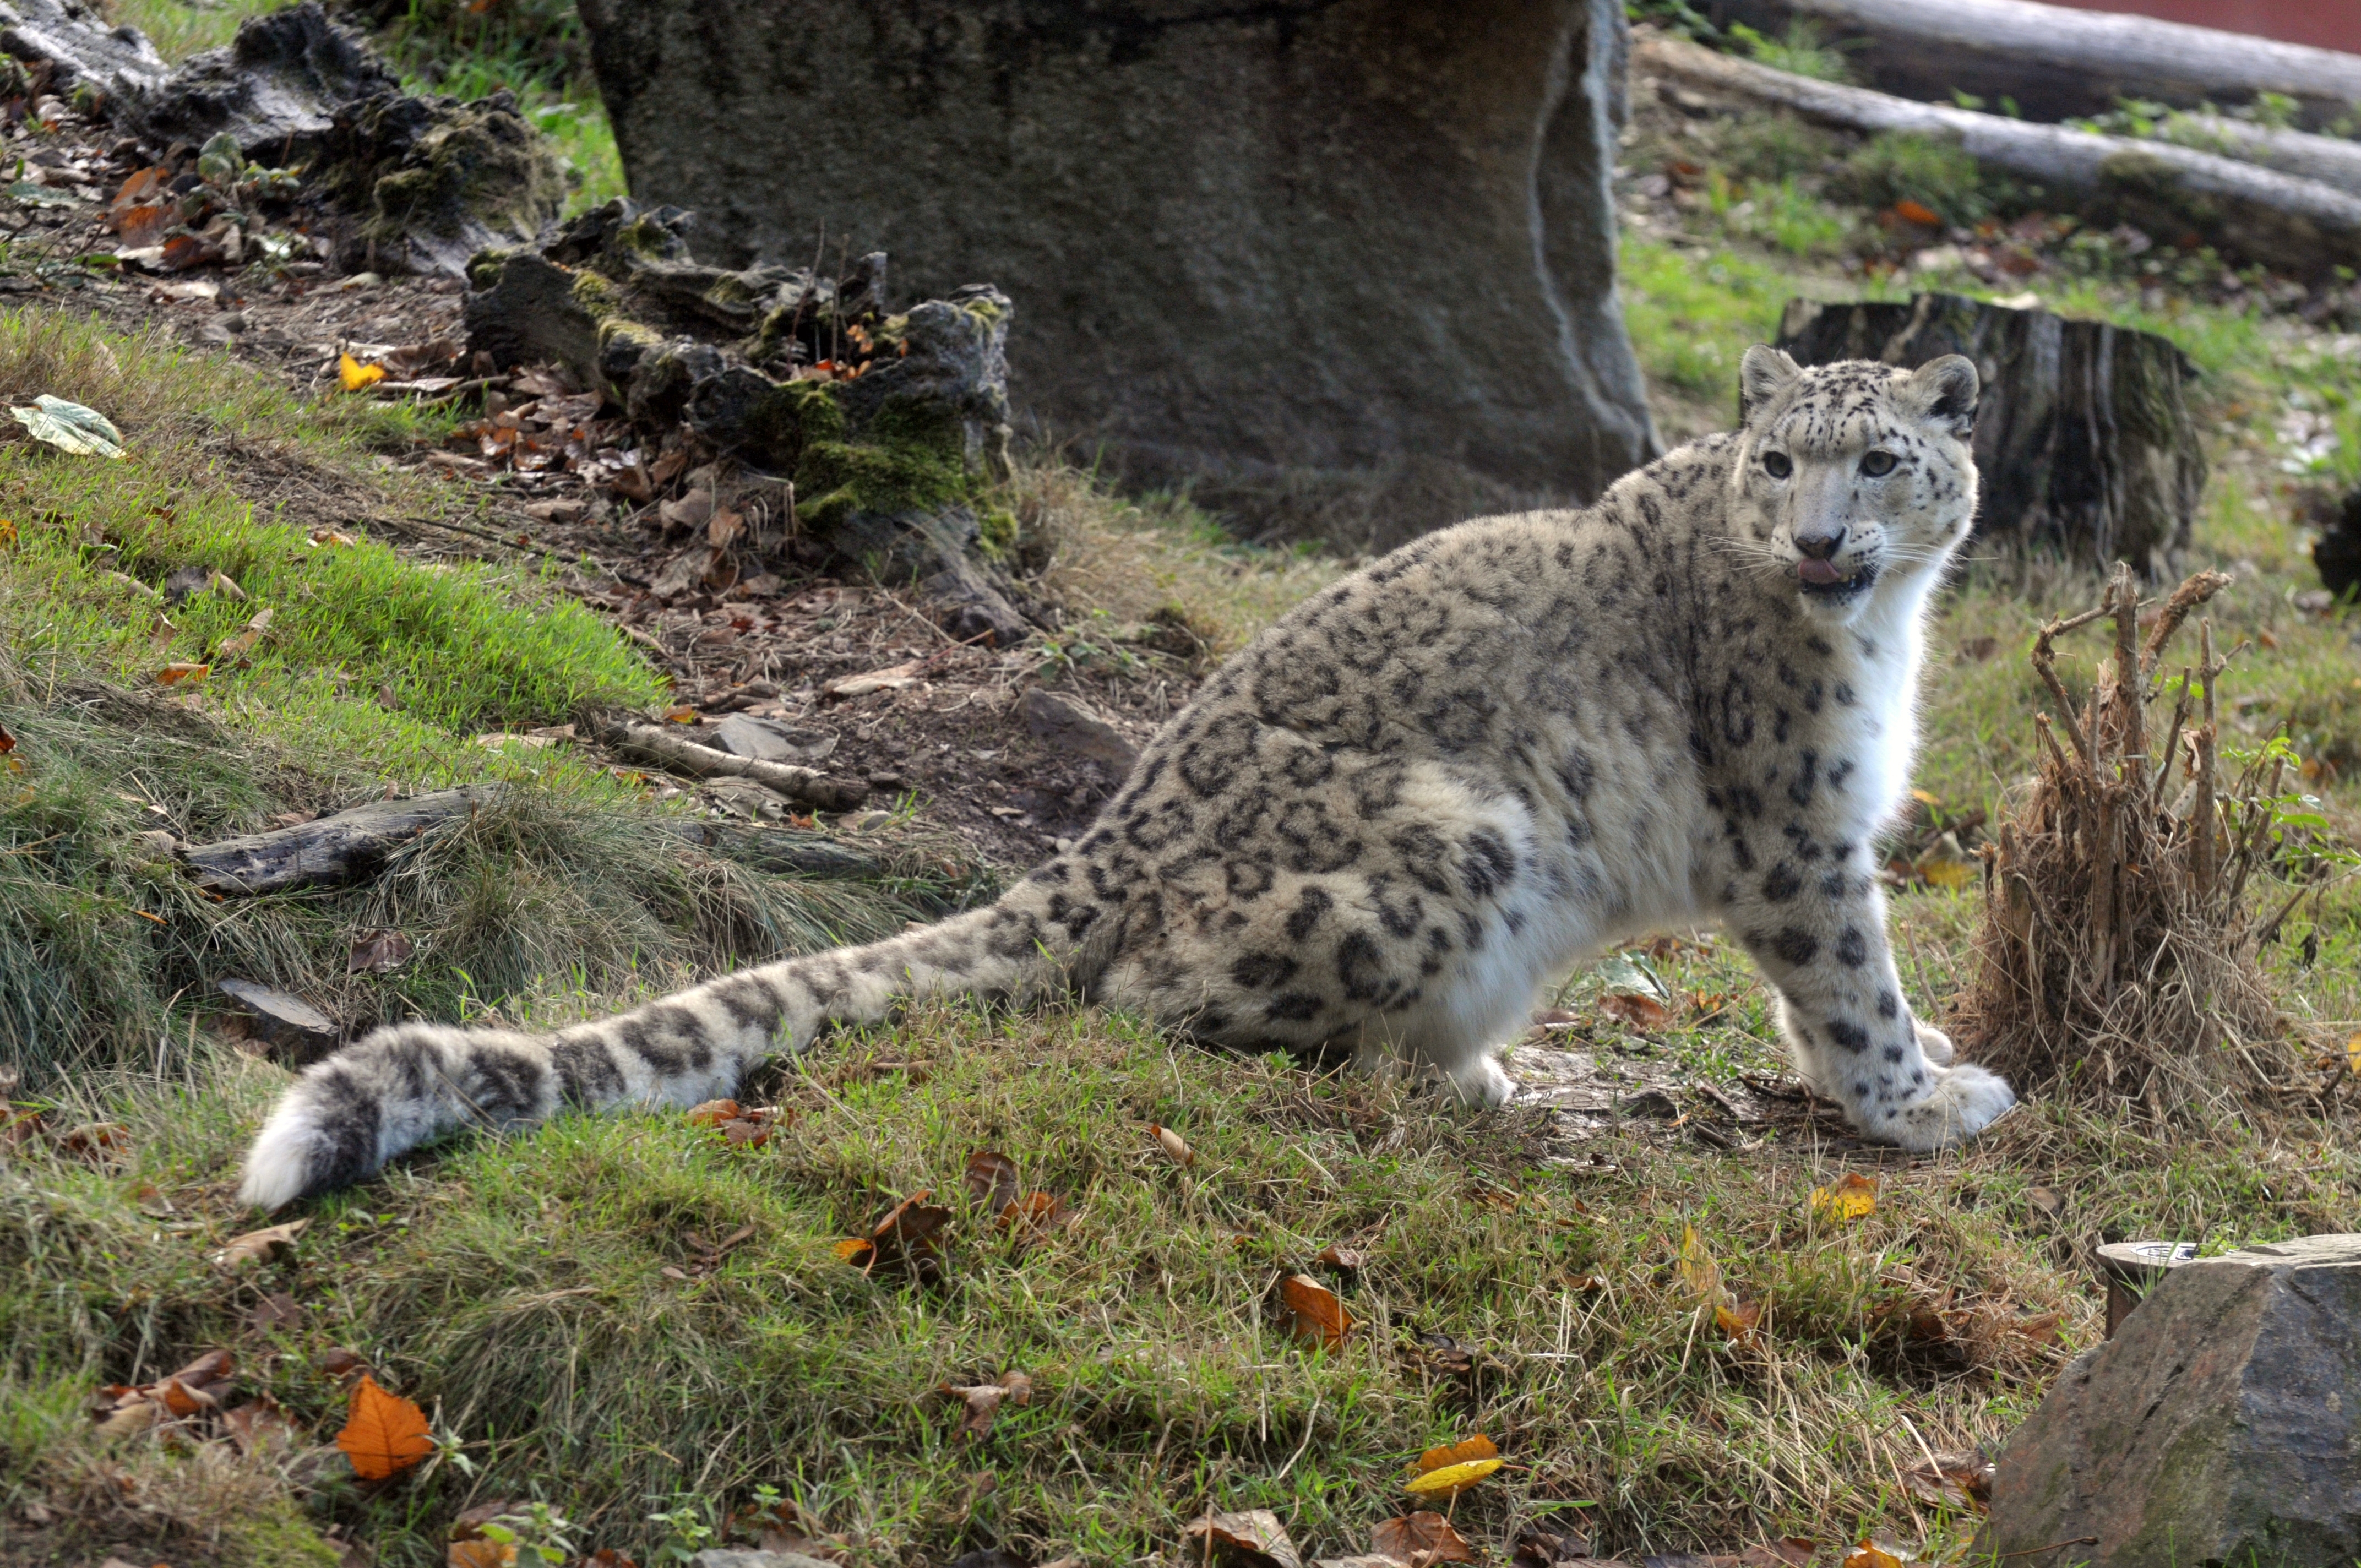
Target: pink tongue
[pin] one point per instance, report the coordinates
(1813, 571)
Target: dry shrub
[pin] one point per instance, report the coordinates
(2116, 958)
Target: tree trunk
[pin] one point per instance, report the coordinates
(2056, 62)
(2287, 223)
(669, 750)
(2084, 437)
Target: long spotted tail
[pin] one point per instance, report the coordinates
(408, 1083)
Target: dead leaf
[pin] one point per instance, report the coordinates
(384, 1433)
(1739, 1320)
(260, 1425)
(1788, 1552)
(278, 1309)
(991, 1180)
(1444, 1472)
(891, 678)
(255, 1245)
(1850, 1198)
(1700, 1276)
(379, 952)
(479, 1553)
(713, 1113)
(238, 645)
(1174, 1144)
(354, 376)
(1253, 1538)
(342, 1364)
(1421, 1539)
(1956, 1480)
(1350, 1260)
(1319, 1315)
(1642, 1012)
(904, 1240)
(8, 741)
(1544, 1549)
(180, 669)
(1875, 1554)
(984, 1401)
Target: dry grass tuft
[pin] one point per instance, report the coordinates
(2116, 961)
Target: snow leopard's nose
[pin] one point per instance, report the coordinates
(1818, 544)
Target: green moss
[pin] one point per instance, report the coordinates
(999, 531)
(275, 1536)
(597, 295)
(910, 457)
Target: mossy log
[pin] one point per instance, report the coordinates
(2056, 61)
(2084, 436)
(2283, 221)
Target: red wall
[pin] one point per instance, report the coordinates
(2324, 24)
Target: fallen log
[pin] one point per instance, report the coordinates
(2331, 160)
(2083, 435)
(684, 756)
(329, 852)
(2055, 62)
(2290, 223)
(781, 850)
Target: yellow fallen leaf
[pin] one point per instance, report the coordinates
(2353, 1053)
(1848, 1199)
(1948, 874)
(1699, 1273)
(1450, 1480)
(1926, 797)
(1871, 1554)
(7, 533)
(356, 375)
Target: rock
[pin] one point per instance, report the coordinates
(2218, 1426)
(2083, 438)
(2337, 551)
(1071, 727)
(723, 1557)
(296, 1032)
(1373, 293)
(768, 740)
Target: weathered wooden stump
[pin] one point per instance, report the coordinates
(2084, 439)
(1348, 265)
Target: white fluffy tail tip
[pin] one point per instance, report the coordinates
(278, 1166)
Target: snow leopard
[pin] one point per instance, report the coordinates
(1416, 799)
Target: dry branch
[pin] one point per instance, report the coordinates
(2113, 963)
(2287, 222)
(684, 756)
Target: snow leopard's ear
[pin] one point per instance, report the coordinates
(1945, 391)
(1761, 376)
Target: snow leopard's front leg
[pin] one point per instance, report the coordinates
(1821, 940)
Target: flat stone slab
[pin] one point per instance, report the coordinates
(2222, 1425)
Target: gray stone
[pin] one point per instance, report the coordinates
(2222, 1425)
(768, 740)
(1071, 727)
(727, 1557)
(1343, 263)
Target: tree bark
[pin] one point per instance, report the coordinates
(2056, 62)
(2288, 223)
(2084, 436)
(332, 850)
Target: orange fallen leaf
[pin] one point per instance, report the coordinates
(904, 1239)
(1849, 1198)
(713, 1113)
(681, 713)
(1917, 212)
(1642, 1012)
(180, 669)
(1174, 1144)
(1319, 1315)
(480, 1552)
(1872, 1554)
(384, 1433)
(1032, 1219)
(1445, 1472)
(1739, 1320)
(1419, 1540)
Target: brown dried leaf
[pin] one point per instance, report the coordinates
(255, 1245)
(1351, 1260)
(1252, 1538)
(338, 1362)
(1955, 1480)
(1319, 1315)
(1419, 1540)
(384, 1433)
(713, 1113)
(991, 1180)
(1173, 1144)
(1645, 1014)
(904, 1240)
(260, 1425)
(379, 952)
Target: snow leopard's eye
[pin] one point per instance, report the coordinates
(1775, 464)
(1877, 465)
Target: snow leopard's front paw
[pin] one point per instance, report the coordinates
(1963, 1102)
(1482, 1084)
(1935, 1045)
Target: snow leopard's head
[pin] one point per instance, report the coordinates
(1857, 475)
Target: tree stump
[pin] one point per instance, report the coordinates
(2083, 438)
(1349, 265)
